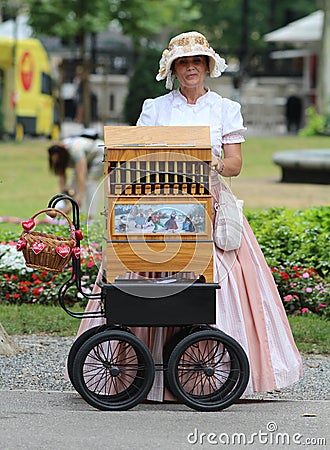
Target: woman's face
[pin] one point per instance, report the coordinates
(191, 70)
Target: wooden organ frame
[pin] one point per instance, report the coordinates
(145, 168)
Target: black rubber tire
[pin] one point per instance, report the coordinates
(208, 370)
(76, 346)
(113, 370)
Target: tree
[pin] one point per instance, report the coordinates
(233, 25)
(75, 20)
(324, 64)
(235, 28)
(147, 22)
(143, 84)
(7, 345)
(72, 21)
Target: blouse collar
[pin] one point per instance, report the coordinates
(179, 99)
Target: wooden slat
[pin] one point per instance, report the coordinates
(170, 136)
(159, 257)
(162, 154)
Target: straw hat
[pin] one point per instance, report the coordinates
(188, 44)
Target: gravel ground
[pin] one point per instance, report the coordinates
(40, 366)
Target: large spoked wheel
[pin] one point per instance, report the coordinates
(208, 370)
(113, 370)
(76, 346)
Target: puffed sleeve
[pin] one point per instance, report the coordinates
(233, 127)
(148, 114)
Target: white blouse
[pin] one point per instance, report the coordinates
(222, 115)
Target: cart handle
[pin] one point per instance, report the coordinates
(75, 208)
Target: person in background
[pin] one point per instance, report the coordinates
(83, 155)
(293, 113)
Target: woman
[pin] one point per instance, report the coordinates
(249, 307)
(83, 154)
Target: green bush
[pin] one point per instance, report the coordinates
(296, 245)
(317, 124)
(294, 237)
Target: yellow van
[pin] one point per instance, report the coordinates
(28, 104)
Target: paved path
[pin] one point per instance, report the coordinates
(32, 420)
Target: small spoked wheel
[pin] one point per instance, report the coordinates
(208, 370)
(113, 370)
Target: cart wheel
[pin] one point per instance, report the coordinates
(76, 346)
(208, 370)
(113, 370)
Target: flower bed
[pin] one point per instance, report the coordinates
(302, 290)
(20, 284)
(296, 245)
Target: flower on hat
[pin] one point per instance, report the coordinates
(188, 44)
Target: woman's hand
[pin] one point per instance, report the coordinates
(231, 164)
(215, 160)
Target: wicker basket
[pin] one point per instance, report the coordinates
(45, 251)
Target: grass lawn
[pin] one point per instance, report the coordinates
(35, 319)
(259, 182)
(311, 333)
(258, 152)
(26, 184)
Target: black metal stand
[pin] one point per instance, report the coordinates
(75, 279)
